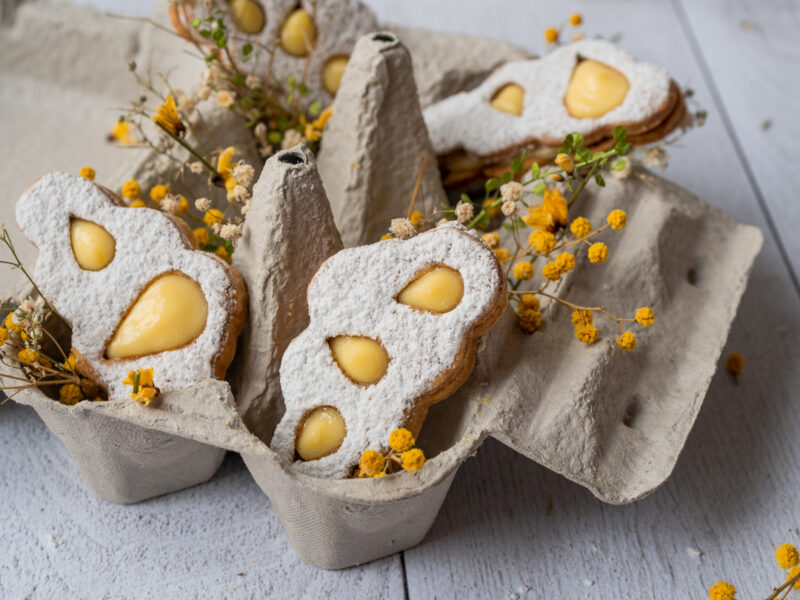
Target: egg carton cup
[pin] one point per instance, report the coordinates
(612, 421)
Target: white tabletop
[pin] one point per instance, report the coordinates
(732, 498)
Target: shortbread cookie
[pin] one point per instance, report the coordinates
(290, 27)
(394, 327)
(132, 285)
(590, 86)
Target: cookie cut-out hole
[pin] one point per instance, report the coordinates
(298, 33)
(92, 246)
(169, 314)
(292, 158)
(383, 37)
(320, 433)
(438, 289)
(631, 413)
(509, 99)
(362, 359)
(332, 73)
(691, 276)
(248, 16)
(594, 90)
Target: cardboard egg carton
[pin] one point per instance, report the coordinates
(612, 421)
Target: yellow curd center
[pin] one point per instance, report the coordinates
(92, 245)
(332, 73)
(248, 15)
(509, 99)
(438, 290)
(297, 33)
(321, 433)
(169, 314)
(362, 359)
(594, 90)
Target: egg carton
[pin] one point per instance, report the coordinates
(612, 421)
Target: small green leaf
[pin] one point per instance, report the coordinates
(623, 148)
(577, 140)
(491, 184)
(291, 82)
(536, 171)
(516, 165)
(620, 133)
(583, 154)
(303, 89)
(465, 199)
(221, 43)
(599, 179)
(238, 79)
(539, 188)
(290, 98)
(218, 34)
(315, 108)
(509, 227)
(274, 137)
(196, 23)
(247, 49)
(205, 34)
(506, 177)
(619, 165)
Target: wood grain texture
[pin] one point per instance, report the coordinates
(733, 493)
(750, 54)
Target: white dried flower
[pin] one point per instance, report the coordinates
(401, 228)
(260, 131)
(216, 227)
(224, 98)
(204, 92)
(239, 194)
(265, 151)
(511, 191)
(186, 103)
(202, 204)
(196, 167)
(656, 157)
(509, 208)
(245, 207)
(169, 204)
(442, 222)
(621, 172)
(464, 212)
(291, 138)
(210, 76)
(231, 232)
(244, 173)
(252, 81)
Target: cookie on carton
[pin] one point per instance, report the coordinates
(132, 284)
(393, 329)
(589, 87)
(310, 41)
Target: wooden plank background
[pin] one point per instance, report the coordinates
(732, 498)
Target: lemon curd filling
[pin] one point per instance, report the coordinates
(594, 90)
(92, 246)
(170, 313)
(509, 99)
(298, 33)
(248, 16)
(363, 360)
(332, 73)
(438, 290)
(321, 433)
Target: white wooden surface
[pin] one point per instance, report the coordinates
(733, 495)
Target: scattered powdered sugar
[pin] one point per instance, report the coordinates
(148, 244)
(353, 293)
(468, 121)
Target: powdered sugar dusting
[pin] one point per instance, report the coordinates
(148, 244)
(353, 293)
(468, 121)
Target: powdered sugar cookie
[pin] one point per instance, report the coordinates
(590, 86)
(393, 329)
(312, 41)
(132, 285)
